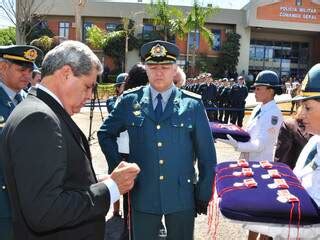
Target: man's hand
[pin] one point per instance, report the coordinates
(124, 175)
(201, 207)
(231, 141)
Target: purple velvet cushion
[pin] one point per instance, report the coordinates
(220, 130)
(260, 204)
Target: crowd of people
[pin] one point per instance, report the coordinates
(224, 99)
(52, 192)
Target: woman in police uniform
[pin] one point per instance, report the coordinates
(307, 168)
(264, 122)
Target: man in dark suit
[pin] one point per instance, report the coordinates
(16, 64)
(52, 186)
(159, 118)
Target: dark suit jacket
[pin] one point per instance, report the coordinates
(291, 140)
(51, 182)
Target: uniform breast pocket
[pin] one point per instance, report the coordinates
(135, 129)
(181, 129)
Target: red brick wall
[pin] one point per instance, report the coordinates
(53, 23)
(204, 47)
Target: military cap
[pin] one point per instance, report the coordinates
(267, 78)
(22, 55)
(159, 52)
(121, 78)
(310, 87)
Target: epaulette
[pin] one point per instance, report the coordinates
(131, 90)
(191, 94)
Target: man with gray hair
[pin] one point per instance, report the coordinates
(53, 189)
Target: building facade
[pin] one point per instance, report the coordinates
(281, 35)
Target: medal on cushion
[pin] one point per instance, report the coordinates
(272, 173)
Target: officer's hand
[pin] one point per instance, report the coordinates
(201, 207)
(231, 141)
(124, 175)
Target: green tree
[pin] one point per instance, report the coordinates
(170, 19)
(45, 43)
(96, 37)
(229, 56)
(8, 36)
(21, 14)
(114, 43)
(195, 23)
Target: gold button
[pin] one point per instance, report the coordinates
(158, 126)
(188, 180)
(3, 187)
(159, 144)
(181, 124)
(161, 177)
(132, 124)
(161, 162)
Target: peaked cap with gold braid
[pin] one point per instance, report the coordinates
(159, 52)
(22, 55)
(310, 87)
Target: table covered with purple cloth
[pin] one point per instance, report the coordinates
(252, 193)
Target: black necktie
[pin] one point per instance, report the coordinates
(257, 113)
(18, 98)
(311, 155)
(158, 109)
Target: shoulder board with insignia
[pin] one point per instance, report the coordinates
(133, 90)
(191, 94)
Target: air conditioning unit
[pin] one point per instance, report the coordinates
(73, 24)
(209, 5)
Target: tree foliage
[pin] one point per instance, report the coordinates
(195, 22)
(8, 36)
(113, 43)
(229, 56)
(21, 14)
(96, 37)
(170, 19)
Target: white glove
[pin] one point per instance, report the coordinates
(231, 141)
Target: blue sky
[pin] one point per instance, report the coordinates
(235, 4)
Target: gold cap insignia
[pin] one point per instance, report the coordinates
(158, 51)
(31, 54)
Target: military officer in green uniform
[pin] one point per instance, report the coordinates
(16, 65)
(168, 128)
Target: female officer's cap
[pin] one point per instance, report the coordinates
(310, 87)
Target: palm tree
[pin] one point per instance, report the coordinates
(195, 23)
(169, 18)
